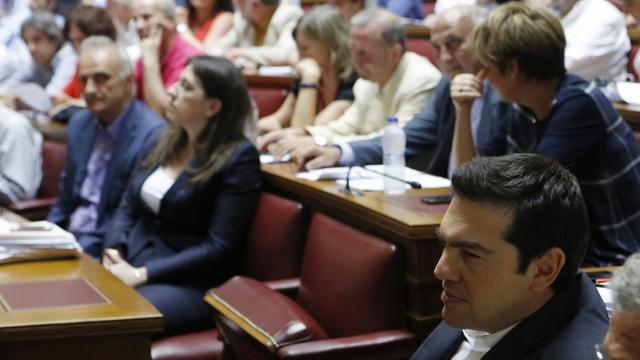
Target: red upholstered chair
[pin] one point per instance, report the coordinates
(268, 99)
(349, 303)
(631, 55)
(422, 46)
(274, 252)
(53, 159)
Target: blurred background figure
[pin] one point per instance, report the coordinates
(623, 339)
(325, 87)
(203, 22)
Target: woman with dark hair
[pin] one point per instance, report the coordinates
(81, 22)
(181, 226)
(205, 21)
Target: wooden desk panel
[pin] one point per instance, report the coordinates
(400, 219)
(120, 328)
(630, 113)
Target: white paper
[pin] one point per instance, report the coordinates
(629, 92)
(361, 179)
(335, 173)
(276, 71)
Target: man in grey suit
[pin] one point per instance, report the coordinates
(433, 126)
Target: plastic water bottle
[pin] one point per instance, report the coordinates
(393, 143)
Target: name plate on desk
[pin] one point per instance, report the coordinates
(50, 293)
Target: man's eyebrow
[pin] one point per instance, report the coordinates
(465, 244)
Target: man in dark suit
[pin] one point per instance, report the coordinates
(513, 238)
(103, 143)
(433, 126)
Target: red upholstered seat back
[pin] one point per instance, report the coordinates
(53, 159)
(276, 240)
(350, 281)
(422, 46)
(268, 99)
(631, 55)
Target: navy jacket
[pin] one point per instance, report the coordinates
(565, 328)
(139, 123)
(198, 236)
(433, 127)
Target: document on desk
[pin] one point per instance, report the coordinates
(629, 92)
(37, 240)
(364, 180)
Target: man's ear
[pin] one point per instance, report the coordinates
(546, 268)
(513, 69)
(397, 50)
(214, 107)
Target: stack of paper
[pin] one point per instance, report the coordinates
(35, 241)
(361, 179)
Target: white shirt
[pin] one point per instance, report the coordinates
(597, 41)
(20, 156)
(402, 96)
(478, 343)
(155, 188)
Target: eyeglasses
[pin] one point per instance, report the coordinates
(601, 352)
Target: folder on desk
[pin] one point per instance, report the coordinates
(38, 240)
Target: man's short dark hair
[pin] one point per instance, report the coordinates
(544, 198)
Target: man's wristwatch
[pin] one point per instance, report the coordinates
(321, 140)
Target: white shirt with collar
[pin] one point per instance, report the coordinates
(478, 343)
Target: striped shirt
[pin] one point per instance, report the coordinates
(585, 133)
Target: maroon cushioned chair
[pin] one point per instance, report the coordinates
(422, 46)
(349, 304)
(274, 252)
(54, 155)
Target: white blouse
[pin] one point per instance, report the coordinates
(155, 187)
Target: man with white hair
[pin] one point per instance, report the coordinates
(623, 338)
(103, 143)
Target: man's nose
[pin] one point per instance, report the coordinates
(445, 268)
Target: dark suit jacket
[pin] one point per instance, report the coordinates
(433, 127)
(138, 125)
(198, 236)
(565, 328)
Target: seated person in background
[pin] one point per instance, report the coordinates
(393, 82)
(555, 115)
(325, 87)
(204, 22)
(50, 63)
(122, 14)
(433, 126)
(20, 157)
(632, 7)
(597, 40)
(81, 22)
(513, 238)
(261, 34)
(348, 8)
(623, 338)
(411, 9)
(164, 52)
(181, 226)
(103, 143)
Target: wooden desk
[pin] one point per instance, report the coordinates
(52, 131)
(630, 113)
(403, 220)
(120, 327)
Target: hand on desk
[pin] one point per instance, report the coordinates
(113, 261)
(274, 136)
(313, 156)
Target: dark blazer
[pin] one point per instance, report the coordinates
(197, 238)
(565, 328)
(139, 123)
(433, 127)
